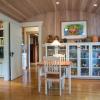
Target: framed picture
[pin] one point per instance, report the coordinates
(74, 30)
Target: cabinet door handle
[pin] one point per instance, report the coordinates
(11, 54)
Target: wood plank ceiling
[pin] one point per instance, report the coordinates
(22, 10)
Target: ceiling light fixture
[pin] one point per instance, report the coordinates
(95, 5)
(56, 42)
(57, 2)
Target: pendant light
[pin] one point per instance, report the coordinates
(56, 42)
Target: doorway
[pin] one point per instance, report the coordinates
(27, 37)
(31, 41)
(34, 48)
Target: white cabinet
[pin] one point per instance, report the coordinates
(84, 56)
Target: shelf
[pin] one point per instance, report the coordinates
(74, 67)
(94, 50)
(1, 37)
(84, 58)
(85, 67)
(62, 50)
(96, 58)
(95, 67)
(84, 50)
(72, 58)
(1, 45)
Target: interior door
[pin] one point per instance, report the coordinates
(15, 49)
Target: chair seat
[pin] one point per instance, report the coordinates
(52, 76)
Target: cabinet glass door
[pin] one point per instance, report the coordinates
(96, 60)
(62, 50)
(73, 58)
(50, 50)
(1, 42)
(84, 60)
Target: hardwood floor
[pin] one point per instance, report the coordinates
(25, 88)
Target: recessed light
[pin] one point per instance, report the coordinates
(57, 2)
(95, 5)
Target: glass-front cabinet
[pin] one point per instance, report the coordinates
(85, 58)
(73, 57)
(96, 60)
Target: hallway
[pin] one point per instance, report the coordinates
(25, 88)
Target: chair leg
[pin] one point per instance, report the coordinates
(63, 83)
(60, 87)
(69, 85)
(69, 78)
(46, 87)
(39, 86)
(39, 82)
(49, 84)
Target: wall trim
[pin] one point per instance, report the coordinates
(36, 24)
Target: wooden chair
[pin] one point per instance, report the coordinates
(53, 72)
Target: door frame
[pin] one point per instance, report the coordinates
(39, 25)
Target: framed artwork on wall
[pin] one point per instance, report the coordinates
(74, 30)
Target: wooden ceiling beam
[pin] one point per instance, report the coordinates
(69, 5)
(33, 6)
(74, 7)
(97, 11)
(22, 6)
(50, 5)
(7, 13)
(83, 5)
(13, 8)
(53, 3)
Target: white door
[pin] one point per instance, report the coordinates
(15, 49)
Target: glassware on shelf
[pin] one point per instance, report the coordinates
(84, 71)
(96, 72)
(74, 71)
(1, 52)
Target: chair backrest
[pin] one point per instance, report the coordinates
(52, 65)
(62, 57)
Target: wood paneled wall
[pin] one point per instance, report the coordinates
(93, 22)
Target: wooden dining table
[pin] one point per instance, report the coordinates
(64, 64)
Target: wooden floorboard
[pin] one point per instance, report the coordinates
(25, 88)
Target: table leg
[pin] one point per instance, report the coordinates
(69, 78)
